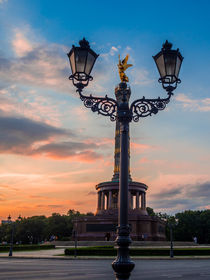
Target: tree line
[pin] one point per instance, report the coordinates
(36, 229)
(32, 230)
(187, 225)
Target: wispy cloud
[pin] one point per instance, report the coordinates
(92, 193)
(140, 77)
(202, 105)
(139, 148)
(21, 45)
(69, 150)
(31, 138)
(36, 63)
(181, 197)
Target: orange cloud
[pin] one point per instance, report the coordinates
(141, 147)
(86, 156)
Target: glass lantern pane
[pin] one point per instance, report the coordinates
(161, 65)
(90, 62)
(72, 62)
(80, 59)
(170, 63)
(178, 65)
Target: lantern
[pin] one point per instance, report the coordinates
(82, 60)
(168, 62)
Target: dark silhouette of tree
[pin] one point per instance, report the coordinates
(186, 225)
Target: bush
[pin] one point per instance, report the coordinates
(92, 251)
(5, 248)
(111, 251)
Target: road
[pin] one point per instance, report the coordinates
(55, 269)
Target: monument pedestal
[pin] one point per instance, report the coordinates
(102, 226)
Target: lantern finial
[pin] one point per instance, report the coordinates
(84, 44)
(167, 45)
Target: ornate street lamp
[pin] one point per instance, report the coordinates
(82, 60)
(171, 226)
(12, 233)
(168, 62)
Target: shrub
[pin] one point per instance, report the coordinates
(5, 248)
(111, 251)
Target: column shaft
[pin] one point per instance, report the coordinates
(103, 201)
(137, 200)
(99, 201)
(110, 200)
(131, 201)
(107, 201)
(142, 200)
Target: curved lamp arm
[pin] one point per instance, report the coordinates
(103, 105)
(143, 107)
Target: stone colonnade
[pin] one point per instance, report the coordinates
(109, 200)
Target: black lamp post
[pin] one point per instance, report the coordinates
(82, 60)
(171, 227)
(75, 239)
(12, 234)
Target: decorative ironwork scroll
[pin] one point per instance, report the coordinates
(143, 107)
(102, 105)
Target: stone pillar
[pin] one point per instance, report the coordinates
(142, 200)
(137, 200)
(110, 200)
(107, 201)
(103, 201)
(131, 201)
(119, 96)
(99, 201)
(115, 200)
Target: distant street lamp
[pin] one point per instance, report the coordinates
(12, 234)
(171, 227)
(75, 238)
(82, 60)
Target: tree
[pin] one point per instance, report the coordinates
(58, 225)
(30, 230)
(193, 223)
(150, 211)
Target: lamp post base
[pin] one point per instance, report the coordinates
(123, 265)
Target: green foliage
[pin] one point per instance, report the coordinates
(92, 251)
(36, 229)
(33, 230)
(58, 225)
(89, 214)
(111, 251)
(4, 248)
(191, 224)
(150, 211)
(30, 230)
(186, 225)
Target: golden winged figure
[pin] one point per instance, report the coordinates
(122, 66)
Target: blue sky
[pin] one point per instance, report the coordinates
(51, 146)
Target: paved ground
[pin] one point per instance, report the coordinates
(55, 269)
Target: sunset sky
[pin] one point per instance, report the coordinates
(53, 151)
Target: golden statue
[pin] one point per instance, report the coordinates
(122, 66)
